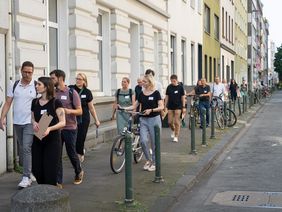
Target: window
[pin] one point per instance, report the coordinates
(214, 67)
(207, 27)
(104, 43)
(206, 67)
(216, 27)
(229, 32)
(222, 22)
(192, 3)
(192, 62)
(226, 21)
(100, 53)
(172, 54)
(223, 74)
(183, 60)
(232, 32)
(200, 6)
(210, 74)
(53, 34)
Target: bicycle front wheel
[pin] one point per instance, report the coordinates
(117, 158)
(231, 118)
(137, 152)
(219, 118)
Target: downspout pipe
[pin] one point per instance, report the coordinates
(10, 54)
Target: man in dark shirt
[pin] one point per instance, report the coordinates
(204, 93)
(175, 103)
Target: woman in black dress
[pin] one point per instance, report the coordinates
(46, 152)
(88, 108)
(233, 89)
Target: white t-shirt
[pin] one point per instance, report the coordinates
(218, 89)
(22, 98)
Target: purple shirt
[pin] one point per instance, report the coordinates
(64, 97)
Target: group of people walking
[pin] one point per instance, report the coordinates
(68, 107)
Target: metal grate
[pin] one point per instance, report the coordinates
(240, 198)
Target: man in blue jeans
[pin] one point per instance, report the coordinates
(72, 105)
(204, 93)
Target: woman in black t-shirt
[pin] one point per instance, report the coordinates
(87, 106)
(46, 152)
(151, 105)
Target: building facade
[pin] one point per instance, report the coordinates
(241, 40)
(227, 38)
(211, 39)
(185, 44)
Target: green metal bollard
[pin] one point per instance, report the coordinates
(193, 145)
(243, 105)
(204, 126)
(239, 106)
(225, 111)
(212, 122)
(246, 103)
(158, 177)
(128, 170)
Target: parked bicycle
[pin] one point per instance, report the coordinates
(117, 156)
(223, 118)
(194, 110)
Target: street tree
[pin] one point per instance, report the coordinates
(278, 62)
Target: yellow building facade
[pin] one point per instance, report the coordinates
(241, 40)
(211, 44)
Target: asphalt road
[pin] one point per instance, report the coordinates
(247, 177)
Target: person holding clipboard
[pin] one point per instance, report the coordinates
(48, 117)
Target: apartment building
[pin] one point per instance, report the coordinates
(241, 40)
(227, 38)
(186, 37)
(211, 39)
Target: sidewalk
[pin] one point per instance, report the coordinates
(102, 190)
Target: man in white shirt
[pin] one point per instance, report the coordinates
(218, 89)
(22, 92)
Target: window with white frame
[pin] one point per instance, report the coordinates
(172, 54)
(207, 20)
(192, 3)
(183, 60)
(104, 48)
(53, 34)
(100, 53)
(200, 6)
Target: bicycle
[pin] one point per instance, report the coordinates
(117, 156)
(223, 118)
(194, 110)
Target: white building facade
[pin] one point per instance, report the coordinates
(227, 38)
(4, 34)
(186, 38)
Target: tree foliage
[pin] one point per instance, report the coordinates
(278, 62)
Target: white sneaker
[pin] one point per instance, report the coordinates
(25, 182)
(175, 139)
(172, 135)
(33, 179)
(146, 165)
(150, 151)
(152, 168)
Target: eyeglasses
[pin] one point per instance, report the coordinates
(80, 79)
(27, 72)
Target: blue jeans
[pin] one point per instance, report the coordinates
(69, 138)
(206, 105)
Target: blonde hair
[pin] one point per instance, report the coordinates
(127, 79)
(151, 81)
(84, 77)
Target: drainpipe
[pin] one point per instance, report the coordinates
(9, 73)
